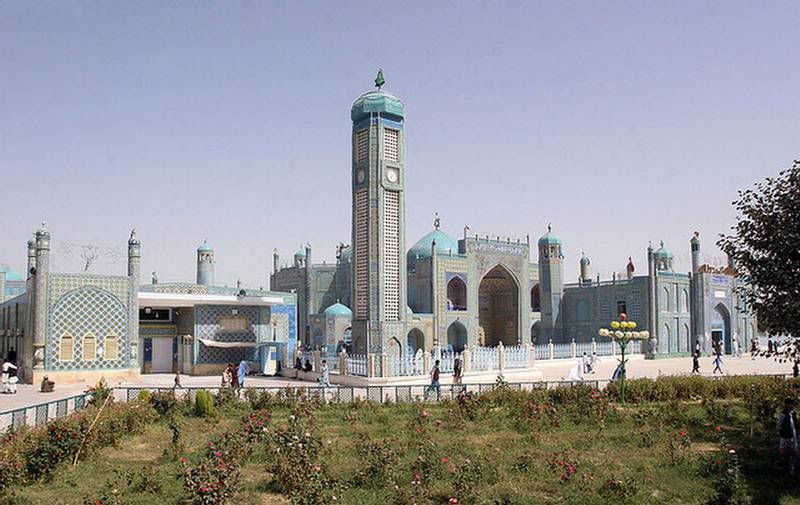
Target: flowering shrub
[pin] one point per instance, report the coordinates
(378, 458)
(564, 463)
(467, 477)
(620, 486)
(469, 405)
(9, 473)
(679, 446)
(726, 475)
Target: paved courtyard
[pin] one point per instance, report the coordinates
(551, 370)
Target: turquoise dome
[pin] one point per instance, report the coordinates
(376, 101)
(300, 254)
(549, 238)
(338, 309)
(663, 252)
(584, 259)
(205, 247)
(445, 244)
(10, 275)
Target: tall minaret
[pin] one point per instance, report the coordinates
(40, 296)
(378, 230)
(205, 264)
(134, 274)
(696, 290)
(551, 282)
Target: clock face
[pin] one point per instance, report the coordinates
(360, 176)
(392, 175)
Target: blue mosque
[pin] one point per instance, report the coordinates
(379, 297)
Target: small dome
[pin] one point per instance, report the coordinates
(663, 252)
(10, 275)
(376, 101)
(300, 254)
(205, 247)
(445, 244)
(695, 238)
(337, 310)
(549, 238)
(584, 259)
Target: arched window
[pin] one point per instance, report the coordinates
(685, 300)
(665, 338)
(66, 348)
(685, 344)
(456, 294)
(89, 349)
(665, 300)
(111, 347)
(536, 298)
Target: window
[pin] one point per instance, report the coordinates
(391, 255)
(66, 348)
(361, 145)
(685, 300)
(89, 350)
(111, 348)
(151, 314)
(391, 145)
(665, 300)
(622, 307)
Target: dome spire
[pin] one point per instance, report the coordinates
(436, 221)
(379, 80)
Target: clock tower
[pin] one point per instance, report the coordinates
(378, 228)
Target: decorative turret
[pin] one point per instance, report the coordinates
(134, 256)
(663, 258)
(205, 264)
(300, 258)
(31, 256)
(586, 273)
(695, 245)
(276, 260)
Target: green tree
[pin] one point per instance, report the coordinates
(765, 247)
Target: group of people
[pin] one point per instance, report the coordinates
(234, 376)
(436, 371)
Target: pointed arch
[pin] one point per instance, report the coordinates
(89, 347)
(111, 347)
(536, 298)
(415, 340)
(457, 336)
(66, 348)
(456, 294)
(395, 348)
(498, 306)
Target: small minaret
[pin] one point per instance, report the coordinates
(695, 245)
(205, 264)
(31, 256)
(651, 287)
(551, 282)
(134, 274)
(40, 300)
(630, 268)
(586, 272)
(276, 259)
(310, 301)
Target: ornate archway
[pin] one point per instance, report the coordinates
(456, 294)
(457, 336)
(721, 327)
(498, 307)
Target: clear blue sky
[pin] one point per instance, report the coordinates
(620, 122)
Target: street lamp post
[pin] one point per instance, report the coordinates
(622, 332)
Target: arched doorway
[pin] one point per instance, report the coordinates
(456, 294)
(457, 336)
(536, 299)
(415, 341)
(498, 307)
(721, 327)
(536, 332)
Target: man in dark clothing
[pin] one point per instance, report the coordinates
(787, 430)
(695, 362)
(435, 380)
(307, 367)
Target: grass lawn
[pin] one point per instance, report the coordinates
(502, 448)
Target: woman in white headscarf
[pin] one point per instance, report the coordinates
(576, 374)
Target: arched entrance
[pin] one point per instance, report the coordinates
(395, 349)
(456, 294)
(415, 341)
(721, 327)
(457, 336)
(498, 307)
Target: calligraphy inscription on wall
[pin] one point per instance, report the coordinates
(500, 248)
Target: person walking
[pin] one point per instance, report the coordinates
(769, 344)
(695, 362)
(457, 369)
(593, 361)
(753, 348)
(244, 369)
(787, 431)
(435, 386)
(324, 375)
(697, 347)
(587, 367)
(718, 364)
(234, 376)
(177, 381)
(226, 377)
